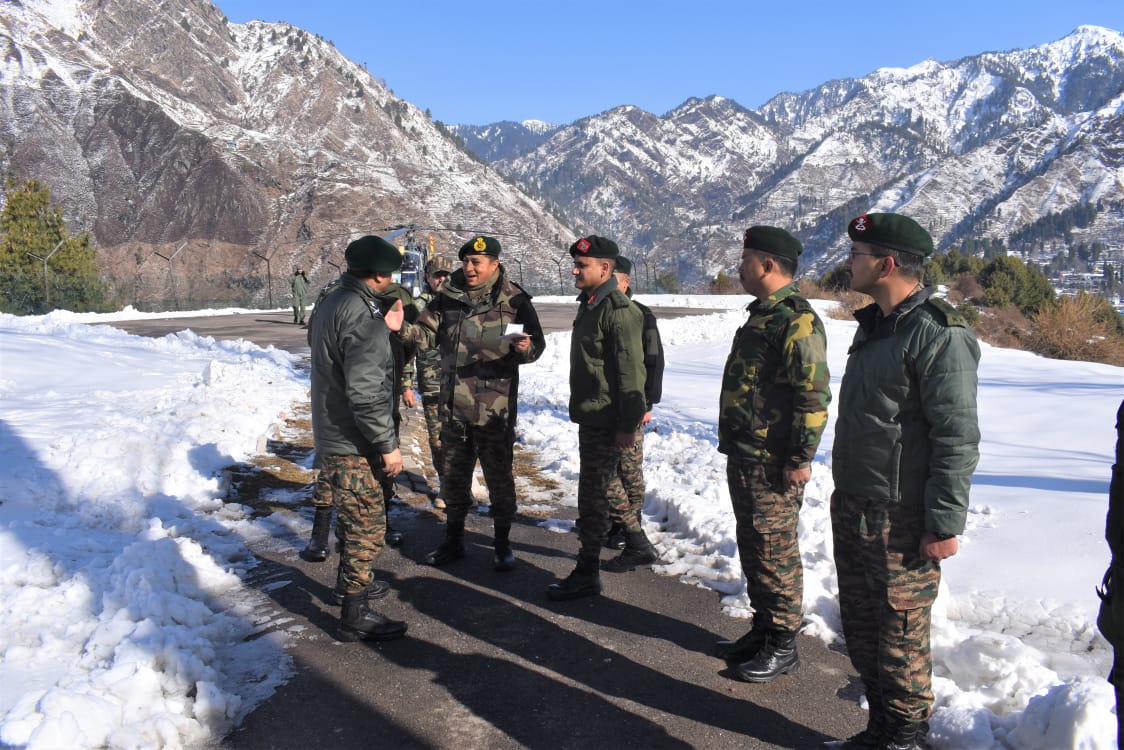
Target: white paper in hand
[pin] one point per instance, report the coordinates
(513, 331)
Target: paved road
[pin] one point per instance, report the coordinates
(489, 662)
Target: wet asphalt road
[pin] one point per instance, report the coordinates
(489, 661)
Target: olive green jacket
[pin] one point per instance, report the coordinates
(907, 430)
(353, 391)
(607, 373)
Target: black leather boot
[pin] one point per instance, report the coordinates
(743, 649)
(616, 538)
(584, 581)
(638, 551)
(358, 622)
(394, 538)
(905, 735)
(778, 656)
(452, 548)
(317, 549)
(872, 737)
(376, 589)
(503, 559)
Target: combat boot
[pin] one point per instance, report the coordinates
(394, 538)
(743, 649)
(378, 589)
(317, 549)
(584, 581)
(358, 622)
(906, 736)
(778, 656)
(616, 538)
(503, 559)
(452, 548)
(870, 738)
(638, 551)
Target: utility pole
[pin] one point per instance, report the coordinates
(46, 283)
(171, 272)
(268, 275)
(561, 283)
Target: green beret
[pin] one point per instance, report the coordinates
(595, 247)
(480, 245)
(892, 231)
(373, 253)
(624, 265)
(772, 240)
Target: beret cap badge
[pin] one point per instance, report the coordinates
(480, 245)
(583, 245)
(860, 224)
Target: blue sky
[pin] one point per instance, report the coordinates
(475, 63)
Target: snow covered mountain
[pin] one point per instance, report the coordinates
(158, 123)
(976, 148)
(504, 139)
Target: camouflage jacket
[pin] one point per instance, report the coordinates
(428, 360)
(907, 430)
(775, 386)
(607, 361)
(352, 374)
(479, 370)
(404, 351)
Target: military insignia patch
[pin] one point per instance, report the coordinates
(480, 245)
(859, 225)
(583, 245)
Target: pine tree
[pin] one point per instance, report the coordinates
(33, 237)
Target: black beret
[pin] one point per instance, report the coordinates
(624, 265)
(480, 245)
(892, 231)
(772, 240)
(595, 247)
(373, 253)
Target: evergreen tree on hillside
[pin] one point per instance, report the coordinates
(33, 233)
(1008, 281)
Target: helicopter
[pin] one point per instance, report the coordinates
(415, 254)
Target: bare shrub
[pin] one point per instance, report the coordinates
(847, 301)
(1005, 327)
(1069, 329)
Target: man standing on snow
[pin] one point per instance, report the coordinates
(771, 415)
(353, 395)
(606, 402)
(299, 284)
(906, 444)
(626, 494)
(468, 322)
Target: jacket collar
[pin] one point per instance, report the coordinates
(767, 303)
(599, 294)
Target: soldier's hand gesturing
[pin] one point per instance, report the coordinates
(394, 317)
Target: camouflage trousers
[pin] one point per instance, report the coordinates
(433, 428)
(767, 517)
(463, 444)
(361, 515)
(600, 459)
(626, 492)
(886, 595)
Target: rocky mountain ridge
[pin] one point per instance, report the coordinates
(976, 148)
(168, 131)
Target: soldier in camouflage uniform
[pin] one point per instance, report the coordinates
(626, 495)
(906, 444)
(353, 393)
(429, 373)
(607, 403)
(468, 322)
(772, 413)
